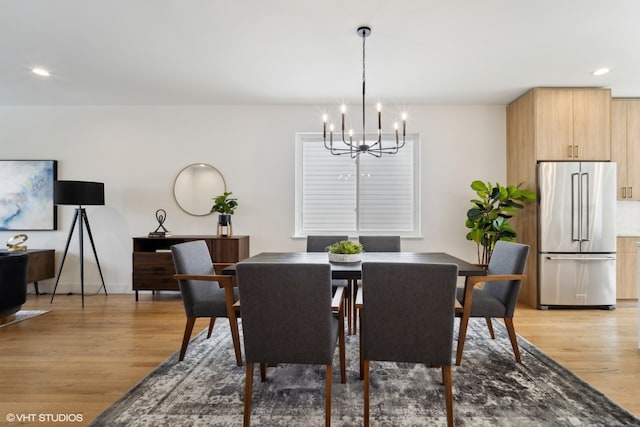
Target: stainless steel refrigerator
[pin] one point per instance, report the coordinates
(576, 234)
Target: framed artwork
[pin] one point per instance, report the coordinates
(26, 194)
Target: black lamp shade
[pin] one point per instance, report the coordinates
(78, 193)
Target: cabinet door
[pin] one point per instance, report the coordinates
(591, 124)
(627, 268)
(633, 150)
(619, 145)
(554, 124)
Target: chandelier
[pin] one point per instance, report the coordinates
(361, 145)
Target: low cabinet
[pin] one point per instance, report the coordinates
(153, 267)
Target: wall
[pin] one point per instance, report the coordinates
(137, 152)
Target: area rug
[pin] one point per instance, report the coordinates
(490, 389)
(23, 315)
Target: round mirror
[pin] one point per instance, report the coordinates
(196, 186)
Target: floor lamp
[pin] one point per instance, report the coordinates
(79, 193)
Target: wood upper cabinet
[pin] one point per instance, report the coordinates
(627, 268)
(625, 146)
(572, 124)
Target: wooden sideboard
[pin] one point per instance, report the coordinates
(153, 267)
(41, 265)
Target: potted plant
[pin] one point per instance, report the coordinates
(345, 251)
(225, 206)
(488, 219)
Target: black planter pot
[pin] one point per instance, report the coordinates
(224, 225)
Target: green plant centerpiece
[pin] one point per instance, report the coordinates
(345, 251)
(225, 206)
(488, 219)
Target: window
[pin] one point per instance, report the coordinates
(366, 195)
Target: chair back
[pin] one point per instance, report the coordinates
(507, 258)
(286, 312)
(320, 243)
(194, 258)
(380, 243)
(13, 282)
(408, 312)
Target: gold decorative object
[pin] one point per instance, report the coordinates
(16, 243)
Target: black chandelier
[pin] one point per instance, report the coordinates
(355, 148)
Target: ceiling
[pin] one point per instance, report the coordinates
(197, 52)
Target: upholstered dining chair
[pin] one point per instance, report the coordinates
(290, 316)
(204, 293)
(380, 243)
(418, 329)
(499, 295)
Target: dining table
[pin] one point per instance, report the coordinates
(352, 271)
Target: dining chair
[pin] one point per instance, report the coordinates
(499, 295)
(415, 329)
(290, 316)
(204, 293)
(380, 243)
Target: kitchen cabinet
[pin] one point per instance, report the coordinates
(627, 268)
(625, 146)
(153, 267)
(572, 124)
(552, 124)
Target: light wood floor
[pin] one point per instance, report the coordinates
(75, 361)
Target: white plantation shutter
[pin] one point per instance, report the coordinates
(367, 195)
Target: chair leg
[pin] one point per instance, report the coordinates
(361, 357)
(462, 335)
(446, 375)
(327, 397)
(365, 370)
(490, 326)
(235, 337)
(341, 348)
(248, 386)
(508, 321)
(187, 336)
(263, 372)
(211, 323)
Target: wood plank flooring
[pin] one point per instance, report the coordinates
(75, 361)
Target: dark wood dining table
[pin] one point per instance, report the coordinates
(353, 271)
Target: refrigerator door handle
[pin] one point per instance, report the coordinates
(569, 258)
(585, 190)
(575, 210)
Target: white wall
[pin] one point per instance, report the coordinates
(137, 152)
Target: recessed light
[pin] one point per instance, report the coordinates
(601, 71)
(41, 72)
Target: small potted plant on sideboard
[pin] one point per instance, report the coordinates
(225, 206)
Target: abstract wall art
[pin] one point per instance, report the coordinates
(26, 195)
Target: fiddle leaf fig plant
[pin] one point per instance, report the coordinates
(488, 219)
(225, 205)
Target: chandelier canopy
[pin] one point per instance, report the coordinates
(360, 145)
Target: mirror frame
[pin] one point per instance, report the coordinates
(177, 178)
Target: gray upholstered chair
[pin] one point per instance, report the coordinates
(320, 243)
(288, 317)
(13, 282)
(499, 295)
(204, 293)
(380, 243)
(418, 329)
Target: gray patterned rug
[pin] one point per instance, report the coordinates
(490, 389)
(23, 315)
